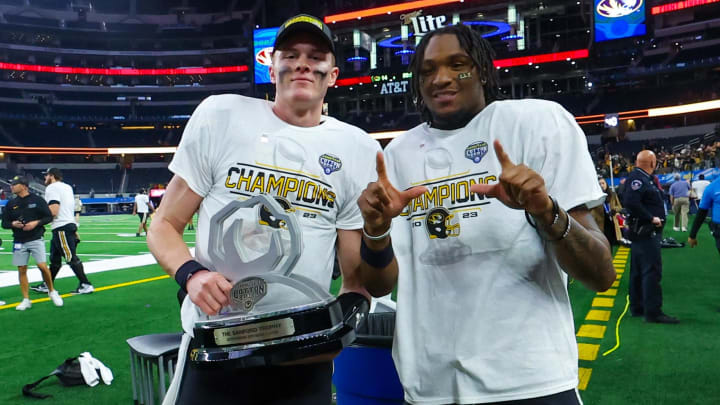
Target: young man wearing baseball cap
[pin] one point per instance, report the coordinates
(232, 147)
(60, 199)
(26, 215)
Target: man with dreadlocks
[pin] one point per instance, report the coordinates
(485, 249)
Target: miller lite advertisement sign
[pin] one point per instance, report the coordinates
(263, 40)
(619, 19)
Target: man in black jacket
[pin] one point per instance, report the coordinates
(25, 215)
(644, 200)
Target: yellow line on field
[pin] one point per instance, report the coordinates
(597, 315)
(107, 287)
(610, 292)
(603, 302)
(129, 283)
(617, 327)
(592, 331)
(588, 351)
(584, 377)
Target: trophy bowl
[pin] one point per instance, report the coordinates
(274, 316)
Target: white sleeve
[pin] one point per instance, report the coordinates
(52, 194)
(564, 161)
(192, 159)
(349, 216)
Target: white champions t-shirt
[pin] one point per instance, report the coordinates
(142, 201)
(483, 313)
(63, 194)
(235, 147)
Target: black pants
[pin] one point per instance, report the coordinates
(63, 246)
(645, 276)
(715, 228)
(568, 397)
(308, 384)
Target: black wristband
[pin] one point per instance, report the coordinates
(186, 271)
(376, 258)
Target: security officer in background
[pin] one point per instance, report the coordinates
(710, 202)
(644, 200)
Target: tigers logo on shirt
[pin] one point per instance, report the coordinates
(476, 151)
(329, 163)
(441, 223)
(268, 219)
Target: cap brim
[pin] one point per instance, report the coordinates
(304, 27)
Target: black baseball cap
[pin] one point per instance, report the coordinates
(54, 171)
(304, 23)
(19, 180)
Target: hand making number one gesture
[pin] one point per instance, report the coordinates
(380, 202)
(520, 187)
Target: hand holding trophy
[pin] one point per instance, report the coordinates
(272, 316)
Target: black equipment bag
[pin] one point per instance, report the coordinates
(68, 373)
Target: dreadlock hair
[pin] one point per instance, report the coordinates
(471, 42)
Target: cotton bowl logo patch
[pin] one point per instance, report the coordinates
(618, 8)
(329, 163)
(636, 184)
(476, 151)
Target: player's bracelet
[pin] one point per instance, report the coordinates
(379, 237)
(183, 274)
(556, 214)
(376, 258)
(556, 218)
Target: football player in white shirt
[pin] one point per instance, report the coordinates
(142, 208)
(63, 245)
(484, 252)
(235, 147)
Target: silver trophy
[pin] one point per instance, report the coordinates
(275, 316)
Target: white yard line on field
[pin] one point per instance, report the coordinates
(10, 278)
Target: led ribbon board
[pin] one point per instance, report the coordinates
(619, 19)
(263, 41)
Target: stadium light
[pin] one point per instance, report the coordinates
(680, 5)
(542, 58)
(499, 63)
(684, 109)
(356, 15)
(141, 151)
(123, 71)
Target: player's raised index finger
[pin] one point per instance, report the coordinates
(503, 157)
(380, 167)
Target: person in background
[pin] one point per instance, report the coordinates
(59, 196)
(680, 201)
(644, 201)
(142, 207)
(26, 215)
(698, 187)
(710, 201)
(605, 215)
(78, 209)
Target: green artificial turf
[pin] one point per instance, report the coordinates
(655, 364)
(658, 363)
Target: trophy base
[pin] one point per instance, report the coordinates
(275, 338)
(232, 357)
